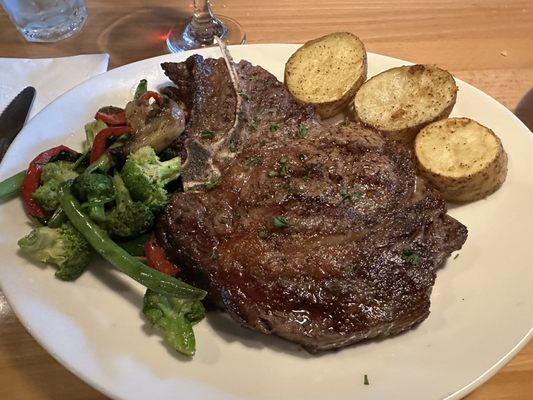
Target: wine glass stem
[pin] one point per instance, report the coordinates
(204, 25)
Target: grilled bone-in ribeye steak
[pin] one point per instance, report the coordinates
(321, 235)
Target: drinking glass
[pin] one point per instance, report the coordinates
(46, 20)
(202, 28)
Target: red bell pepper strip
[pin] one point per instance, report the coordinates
(32, 180)
(111, 118)
(155, 255)
(100, 140)
(152, 95)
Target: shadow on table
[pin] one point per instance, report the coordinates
(143, 32)
(524, 110)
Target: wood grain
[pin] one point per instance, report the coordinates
(486, 43)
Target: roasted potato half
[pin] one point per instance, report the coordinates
(464, 160)
(401, 101)
(326, 72)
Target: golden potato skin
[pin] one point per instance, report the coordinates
(401, 101)
(327, 72)
(463, 159)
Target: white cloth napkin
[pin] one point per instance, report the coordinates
(51, 77)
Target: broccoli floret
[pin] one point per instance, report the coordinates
(175, 317)
(64, 247)
(145, 177)
(128, 218)
(95, 190)
(52, 176)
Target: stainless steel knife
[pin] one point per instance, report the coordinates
(13, 118)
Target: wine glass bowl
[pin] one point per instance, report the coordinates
(201, 29)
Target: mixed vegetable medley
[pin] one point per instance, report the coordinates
(105, 200)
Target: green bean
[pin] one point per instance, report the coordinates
(121, 259)
(81, 159)
(103, 164)
(57, 218)
(11, 186)
(135, 246)
(142, 87)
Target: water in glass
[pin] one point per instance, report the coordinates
(46, 20)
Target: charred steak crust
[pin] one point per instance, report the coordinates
(355, 253)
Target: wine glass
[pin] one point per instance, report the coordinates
(201, 29)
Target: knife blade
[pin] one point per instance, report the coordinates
(13, 118)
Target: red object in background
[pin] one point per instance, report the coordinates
(32, 180)
(100, 141)
(157, 259)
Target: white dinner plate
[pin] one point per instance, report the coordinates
(481, 311)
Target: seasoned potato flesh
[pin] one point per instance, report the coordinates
(405, 98)
(462, 158)
(327, 71)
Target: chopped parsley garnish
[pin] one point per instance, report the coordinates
(302, 131)
(245, 96)
(253, 124)
(306, 178)
(365, 380)
(213, 182)
(240, 214)
(274, 127)
(252, 162)
(346, 196)
(207, 134)
(457, 255)
(280, 221)
(411, 257)
(351, 267)
(284, 168)
(346, 121)
(264, 234)
(349, 197)
(291, 190)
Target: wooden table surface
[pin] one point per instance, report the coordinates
(486, 43)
